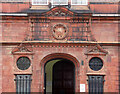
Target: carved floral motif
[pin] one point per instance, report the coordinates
(60, 31)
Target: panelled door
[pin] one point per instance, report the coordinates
(96, 84)
(63, 77)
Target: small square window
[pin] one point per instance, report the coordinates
(79, 2)
(39, 2)
(59, 2)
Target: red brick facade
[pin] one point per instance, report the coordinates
(20, 39)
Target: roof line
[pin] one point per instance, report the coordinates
(25, 14)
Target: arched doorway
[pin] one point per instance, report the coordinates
(59, 76)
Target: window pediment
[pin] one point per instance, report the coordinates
(59, 11)
(96, 50)
(22, 49)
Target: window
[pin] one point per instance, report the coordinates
(39, 2)
(96, 64)
(59, 2)
(23, 63)
(79, 2)
(96, 84)
(23, 84)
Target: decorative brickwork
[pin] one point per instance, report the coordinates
(50, 35)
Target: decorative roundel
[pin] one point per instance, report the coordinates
(23, 63)
(60, 31)
(95, 63)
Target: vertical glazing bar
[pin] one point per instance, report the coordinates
(89, 84)
(16, 84)
(28, 85)
(101, 84)
(18, 79)
(22, 84)
(24, 80)
(98, 85)
(25, 84)
(92, 84)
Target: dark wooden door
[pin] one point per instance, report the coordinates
(63, 77)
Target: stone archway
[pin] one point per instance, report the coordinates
(57, 56)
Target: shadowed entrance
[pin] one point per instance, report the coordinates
(59, 77)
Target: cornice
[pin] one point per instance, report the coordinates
(68, 42)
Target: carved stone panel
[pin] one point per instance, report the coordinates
(59, 31)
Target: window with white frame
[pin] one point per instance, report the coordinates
(79, 2)
(39, 2)
(59, 2)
